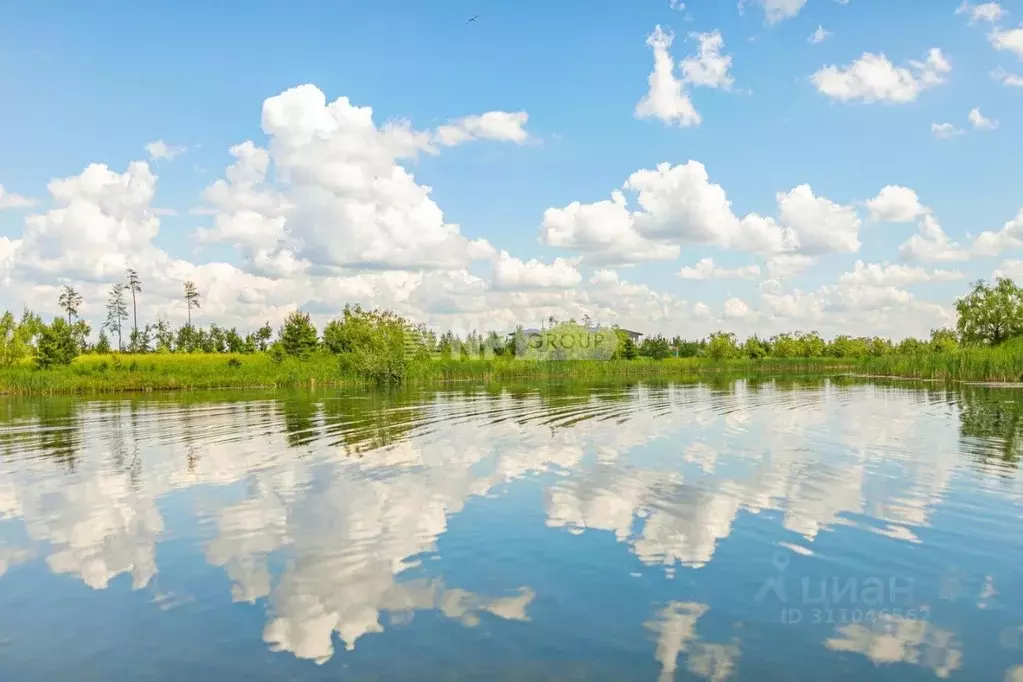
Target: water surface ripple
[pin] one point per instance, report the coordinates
(733, 530)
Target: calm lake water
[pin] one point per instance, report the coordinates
(829, 530)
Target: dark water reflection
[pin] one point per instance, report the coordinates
(774, 530)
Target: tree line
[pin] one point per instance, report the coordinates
(379, 342)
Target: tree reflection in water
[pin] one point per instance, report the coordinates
(991, 416)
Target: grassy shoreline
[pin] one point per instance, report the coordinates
(90, 374)
(93, 374)
(1003, 364)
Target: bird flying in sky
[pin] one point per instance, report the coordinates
(474, 18)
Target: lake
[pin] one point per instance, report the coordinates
(751, 531)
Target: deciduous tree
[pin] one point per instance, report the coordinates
(373, 344)
(57, 344)
(163, 335)
(944, 341)
(13, 346)
(722, 346)
(656, 347)
(990, 314)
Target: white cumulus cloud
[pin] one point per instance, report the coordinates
(787, 265)
(604, 276)
(874, 78)
(604, 230)
(896, 204)
(708, 67)
(100, 221)
(776, 10)
(503, 126)
(990, 243)
(1010, 40)
(991, 12)
(736, 308)
(11, 200)
(666, 98)
(161, 150)
(946, 131)
(891, 275)
(979, 122)
(511, 272)
(345, 198)
(1007, 78)
(930, 243)
(326, 210)
(819, 36)
(705, 268)
(680, 205)
(820, 225)
(1011, 268)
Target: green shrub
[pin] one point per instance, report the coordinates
(103, 344)
(722, 346)
(298, 335)
(58, 344)
(13, 342)
(656, 347)
(373, 344)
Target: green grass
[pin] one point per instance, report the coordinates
(510, 369)
(1003, 364)
(149, 372)
(198, 371)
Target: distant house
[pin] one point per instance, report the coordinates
(635, 336)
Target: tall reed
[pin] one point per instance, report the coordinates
(193, 371)
(1001, 363)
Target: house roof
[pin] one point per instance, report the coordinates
(594, 328)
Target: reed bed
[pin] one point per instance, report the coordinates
(509, 369)
(177, 371)
(1000, 364)
(196, 371)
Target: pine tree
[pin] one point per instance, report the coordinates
(191, 299)
(103, 343)
(70, 300)
(298, 335)
(135, 287)
(117, 311)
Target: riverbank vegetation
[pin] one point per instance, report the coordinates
(113, 373)
(380, 347)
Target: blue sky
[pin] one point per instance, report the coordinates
(96, 83)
